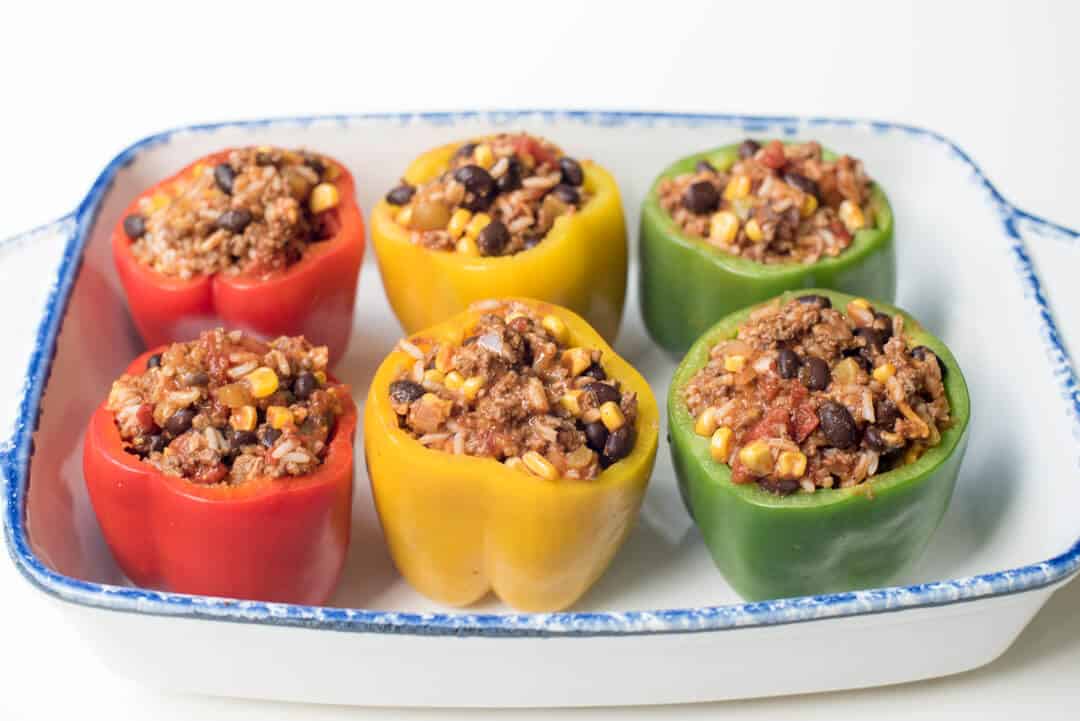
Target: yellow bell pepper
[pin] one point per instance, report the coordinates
(581, 263)
(460, 526)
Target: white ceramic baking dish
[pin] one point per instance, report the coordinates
(661, 626)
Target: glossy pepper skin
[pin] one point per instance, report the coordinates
(460, 526)
(280, 540)
(712, 283)
(314, 297)
(581, 263)
(768, 546)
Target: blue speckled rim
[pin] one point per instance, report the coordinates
(15, 454)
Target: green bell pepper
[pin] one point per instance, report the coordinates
(688, 284)
(770, 546)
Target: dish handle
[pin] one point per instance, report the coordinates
(30, 281)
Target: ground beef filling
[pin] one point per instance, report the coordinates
(776, 204)
(255, 213)
(227, 408)
(514, 391)
(501, 195)
(807, 397)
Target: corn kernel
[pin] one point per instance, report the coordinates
(723, 227)
(734, 363)
(706, 424)
(198, 170)
(332, 171)
(884, 372)
(571, 401)
(737, 187)
(478, 223)
(467, 246)
(454, 381)
(320, 376)
(754, 231)
(553, 324)
(279, 416)
(434, 376)
(539, 466)
(324, 196)
(458, 221)
(612, 416)
(846, 372)
(851, 216)
(444, 358)
(472, 386)
(720, 445)
(404, 216)
(483, 156)
(577, 360)
(263, 382)
(244, 418)
(809, 205)
(791, 464)
(158, 201)
(757, 457)
(860, 303)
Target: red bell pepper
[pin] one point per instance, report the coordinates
(270, 539)
(314, 297)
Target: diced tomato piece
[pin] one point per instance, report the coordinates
(775, 424)
(773, 156)
(839, 230)
(806, 420)
(526, 145)
(211, 476)
(145, 418)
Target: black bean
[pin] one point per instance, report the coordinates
(401, 194)
(596, 436)
(788, 362)
(872, 439)
(595, 370)
(153, 361)
(815, 374)
(405, 391)
(921, 352)
(243, 438)
(224, 176)
(566, 193)
(618, 445)
(511, 179)
(783, 487)
(493, 238)
(198, 378)
(134, 226)
(180, 421)
(315, 163)
(701, 198)
(268, 435)
(803, 183)
(863, 356)
(819, 300)
(475, 179)
(748, 148)
(704, 166)
(234, 220)
(304, 385)
(875, 337)
(838, 425)
(886, 413)
(465, 151)
(602, 392)
(572, 174)
(156, 443)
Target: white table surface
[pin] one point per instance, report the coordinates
(80, 84)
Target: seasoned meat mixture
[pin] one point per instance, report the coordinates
(500, 196)
(808, 397)
(513, 390)
(227, 408)
(777, 204)
(255, 213)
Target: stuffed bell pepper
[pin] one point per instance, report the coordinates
(817, 439)
(224, 467)
(509, 449)
(260, 238)
(506, 215)
(740, 224)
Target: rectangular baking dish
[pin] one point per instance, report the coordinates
(661, 626)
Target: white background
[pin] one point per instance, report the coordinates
(78, 84)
